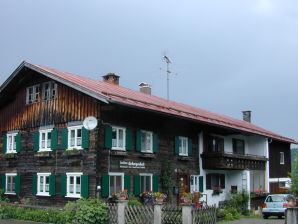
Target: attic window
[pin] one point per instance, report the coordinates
(32, 94)
(49, 91)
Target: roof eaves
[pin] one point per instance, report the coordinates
(68, 83)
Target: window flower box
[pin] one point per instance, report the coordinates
(216, 190)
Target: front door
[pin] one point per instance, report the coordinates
(183, 183)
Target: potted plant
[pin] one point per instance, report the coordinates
(121, 195)
(147, 197)
(217, 190)
(159, 197)
(187, 197)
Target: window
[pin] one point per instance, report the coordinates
(75, 137)
(32, 95)
(45, 140)
(10, 183)
(118, 138)
(116, 182)
(183, 146)
(146, 141)
(73, 185)
(43, 184)
(49, 90)
(215, 180)
(282, 158)
(215, 144)
(146, 182)
(194, 183)
(238, 146)
(11, 143)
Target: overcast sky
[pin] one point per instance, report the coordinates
(227, 55)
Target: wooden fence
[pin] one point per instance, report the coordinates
(122, 213)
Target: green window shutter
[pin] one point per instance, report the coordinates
(108, 137)
(36, 141)
(54, 139)
(52, 190)
(128, 139)
(127, 183)
(138, 141)
(155, 183)
(155, 142)
(4, 142)
(189, 147)
(85, 186)
(85, 138)
(3, 181)
(18, 184)
(201, 183)
(64, 141)
(63, 185)
(176, 145)
(105, 186)
(137, 185)
(18, 142)
(34, 184)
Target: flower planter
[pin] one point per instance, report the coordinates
(121, 198)
(159, 200)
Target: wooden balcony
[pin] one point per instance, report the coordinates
(230, 161)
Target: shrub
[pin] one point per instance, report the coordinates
(3, 198)
(133, 201)
(240, 201)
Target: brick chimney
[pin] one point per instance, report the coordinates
(111, 78)
(246, 115)
(145, 88)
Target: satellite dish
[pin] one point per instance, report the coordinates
(90, 123)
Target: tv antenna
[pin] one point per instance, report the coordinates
(168, 62)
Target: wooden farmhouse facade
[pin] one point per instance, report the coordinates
(51, 158)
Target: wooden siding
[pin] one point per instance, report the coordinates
(70, 105)
(277, 170)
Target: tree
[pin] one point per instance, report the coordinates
(167, 179)
(294, 176)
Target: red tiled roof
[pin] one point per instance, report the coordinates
(119, 94)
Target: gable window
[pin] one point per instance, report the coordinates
(116, 182)
(146, 141)
(45, 140)
(282, 158)
(49, 90)
(146, 182)
(238, 146)
(194, 183)
(215, 144)
(32, 94)
(10, 183)
(73, 185)
(118, 138)
(215, 180)
(11, 143)
(43, 184)
(75, 137)
(183, 146)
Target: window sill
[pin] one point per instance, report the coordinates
(118, 149)
(184, 158)
(73, 152)
(119, 153)
(40, 194)
(42, 154)
(73, 196)
(147, 155)
(10, 155)
(10, 193)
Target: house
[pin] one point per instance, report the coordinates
(51, 156)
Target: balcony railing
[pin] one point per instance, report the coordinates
(226, 160)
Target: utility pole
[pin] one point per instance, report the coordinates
(168, 62)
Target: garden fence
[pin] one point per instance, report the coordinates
(122, 213)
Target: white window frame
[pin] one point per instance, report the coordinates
(195, 186)
(39, 192)
(46, 148)
(75, 175)
(11, 146)
(6, 182)
(147, 175)
(151, 143)
(282, 158)
(35, 94)
(183, 151)
(117, 138)
(122, 180)
(52, 91)
(75, 128)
